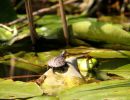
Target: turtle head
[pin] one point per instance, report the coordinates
(63, 53)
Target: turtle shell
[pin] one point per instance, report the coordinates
(58, 61)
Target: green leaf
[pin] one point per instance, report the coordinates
(11, 90)
(116, 89)
(5, 35)
(52, 26)
(120, 67)
(28, 60)
(99, 53)
(101, 32)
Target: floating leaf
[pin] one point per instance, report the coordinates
(99, 53)
(120, 67)
(101, 32)
(28, 60)
(109, 90)
(11, 90)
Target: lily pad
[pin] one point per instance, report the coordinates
(120, 67)
(109, 90)
(101, 32)
(28, 60)
(11, 90)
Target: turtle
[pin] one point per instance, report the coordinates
(58, 61)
